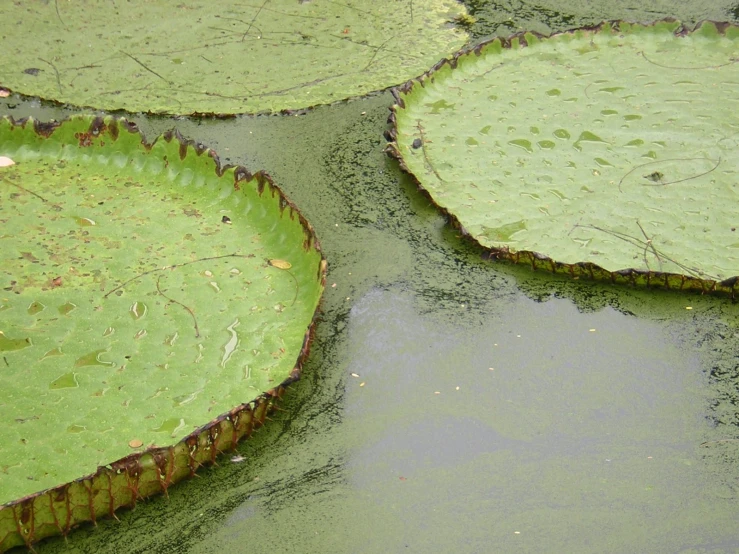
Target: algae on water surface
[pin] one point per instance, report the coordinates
(414, 311)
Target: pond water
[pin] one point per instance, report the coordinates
(451, 403)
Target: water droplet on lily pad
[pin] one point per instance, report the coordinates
(138, 310)
(9, 345)
(171, 426)
(53, 352)
(587, 136)
(64, 309)
(504, 233)
(35, 308)
(92, 359)
(230, 347)
(84, 221)
(522, 143)
(439, 105)
(185, 398)
(66, 381)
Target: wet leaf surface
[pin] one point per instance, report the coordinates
(611, 441)
(233, 57)
(122, 316)
(610, 146)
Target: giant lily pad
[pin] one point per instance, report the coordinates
(229, 57)
(153, 305)
(605, 152)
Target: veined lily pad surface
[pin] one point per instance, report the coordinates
(608, 151)
(229, 57)
(151, 303)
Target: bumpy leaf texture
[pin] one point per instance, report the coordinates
(138, 300)
(613, 147)
(225, 57)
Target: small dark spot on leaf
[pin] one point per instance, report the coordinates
(32, 71)
(417, 143)
(226, 219)
(655, 177)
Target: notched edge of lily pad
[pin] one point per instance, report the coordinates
(152, 469)
(536, 260)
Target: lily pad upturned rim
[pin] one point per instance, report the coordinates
(536, 260)
(153, 469)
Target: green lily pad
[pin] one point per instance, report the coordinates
(152, 306)
(604, 152)
(233, 57)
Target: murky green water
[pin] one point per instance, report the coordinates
(493, 410)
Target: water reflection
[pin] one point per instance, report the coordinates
(543, 418)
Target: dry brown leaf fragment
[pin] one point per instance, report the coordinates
(280, 264)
